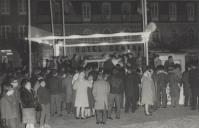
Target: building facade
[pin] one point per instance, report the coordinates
(177, 21)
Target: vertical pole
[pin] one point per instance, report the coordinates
(29, 41)
(52, 26)
(144, 18)
(146, 22)
(64, 31)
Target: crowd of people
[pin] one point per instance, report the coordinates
(86, 91)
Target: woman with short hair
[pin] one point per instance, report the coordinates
(28, 103)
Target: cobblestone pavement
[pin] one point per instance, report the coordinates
(179, 117)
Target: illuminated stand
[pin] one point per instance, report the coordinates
(145, 36)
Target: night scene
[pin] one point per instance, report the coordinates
(99, 63)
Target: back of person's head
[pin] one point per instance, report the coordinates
(148, 68)
(187, 67)
(156, 56)
(170, 57)
(115, 71)
(41, 80)
(118, 66)
(177, 66)
(54, 72)
(160, 67)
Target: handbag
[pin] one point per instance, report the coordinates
(38, 107)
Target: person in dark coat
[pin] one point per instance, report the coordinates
(108, 65)
(44, 99)
(27, 96)
(131, 60)
(174, 79)
(116, 91)
(161, 80)
(169, 63)
(69, 93)
(53, 83)
(186, 87)
(63, 82)
(132, 82)
(194, 82)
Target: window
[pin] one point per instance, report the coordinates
(154, 11)
(106, 11)
(5, 7)
(22, 7)
(172, 12)
(4, 31)
(86, 12)
(126, 11)
(190, 11)
(22, 30)
(191, 36)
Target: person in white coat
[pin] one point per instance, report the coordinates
(81, 100)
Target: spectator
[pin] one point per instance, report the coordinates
(186, 87)
(54, 86)
(194, 80)
(44, 99)
(116, 91)
(108, 64)
(169, 63)
(9, 108)
(28, 103)
(2, 77)
(174, 81)
(81, 100)
(69, 93)
(63, 82)
(161, 79)
(132, 81)
(101, 90)
(90, 111)
(131, 62)
(148, 90)
(157, 61)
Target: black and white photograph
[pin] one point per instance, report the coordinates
(99, 63)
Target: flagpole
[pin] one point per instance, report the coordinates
(52, 26)
(29, 41)
(63, 29)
